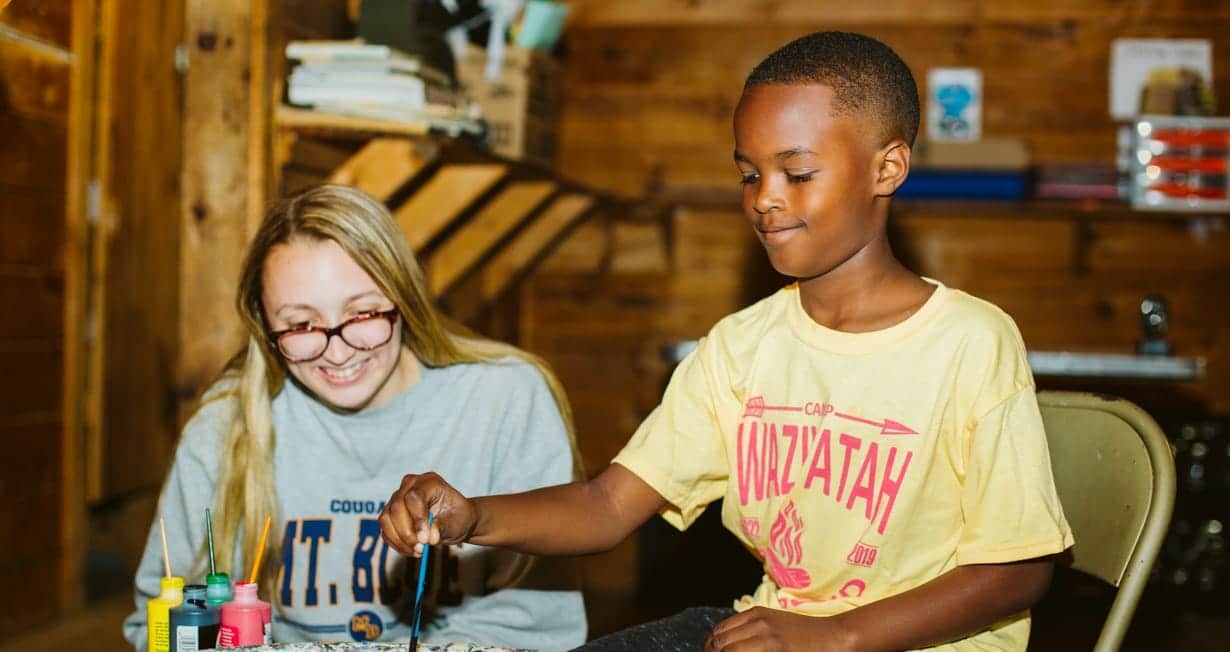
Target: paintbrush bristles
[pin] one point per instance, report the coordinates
(209, 536)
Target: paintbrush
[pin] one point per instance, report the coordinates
(418, 591)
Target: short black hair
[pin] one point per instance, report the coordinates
(868, 79)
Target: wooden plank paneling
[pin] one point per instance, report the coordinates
(970, 247)
(590, 13)
(32, 156)
(1127, 15)
(32, 486)
(40, 19)
(742, 12)
(33, 80)
(495, 220)
(45, 51)
(648, 105)
(78, 311)
(532, 243)
(583, 251)
(316, 19)
(382, 166)
(32, 524)
(138, 251)
(28, 607)
(315, 154)
(443, 198)
(33, 300)
(33, 386)
(33, 226)
(1158, 251)
(226, 116)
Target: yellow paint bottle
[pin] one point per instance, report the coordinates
(158, 614)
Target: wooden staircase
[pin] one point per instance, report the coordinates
(478, 222)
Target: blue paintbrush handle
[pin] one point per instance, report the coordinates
(418, 591)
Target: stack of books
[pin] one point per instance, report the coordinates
(992, 168)
(1081, 181)
(354, 78)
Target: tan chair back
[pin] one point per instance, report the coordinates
(1115, 474)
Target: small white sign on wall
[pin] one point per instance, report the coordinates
(954, 104)
(1133, 60)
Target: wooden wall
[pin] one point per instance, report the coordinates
(139, 114)
(650, 85)
(44, 68)
(136, 117)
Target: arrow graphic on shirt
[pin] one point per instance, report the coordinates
(755, 407)
(887, 426)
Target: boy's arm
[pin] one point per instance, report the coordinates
(570, 519)
(959, 603)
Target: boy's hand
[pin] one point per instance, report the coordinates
(761, 629)
(403, 523)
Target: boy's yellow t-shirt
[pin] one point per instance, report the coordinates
(857, 466)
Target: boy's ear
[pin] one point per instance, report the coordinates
(892, 167)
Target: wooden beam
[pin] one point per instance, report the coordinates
(32, 78)
(78, 312)
(225, 87)
(49, 22)
(533, 243)
(289, 117)
(381, 167)
(494, 221)
(443, 199)
(138, 168)
(656, 13)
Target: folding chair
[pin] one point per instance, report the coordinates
(1115, 474)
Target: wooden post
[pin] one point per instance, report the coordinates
(76, 317)
(227, 115)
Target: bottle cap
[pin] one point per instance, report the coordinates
(245, 591)
(172, 583)
(218, 579)
(194, 592)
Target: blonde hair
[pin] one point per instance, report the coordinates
(368, 233)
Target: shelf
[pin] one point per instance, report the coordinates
(1118, 366)
(1066, 364)
(288, 117)
(310, 120)
(1094, 210)
(1091, 210)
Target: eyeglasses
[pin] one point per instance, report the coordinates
(366, 331)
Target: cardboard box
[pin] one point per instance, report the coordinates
(521, 106)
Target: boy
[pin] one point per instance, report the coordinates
(875, 434)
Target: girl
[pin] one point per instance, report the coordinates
(349, 378)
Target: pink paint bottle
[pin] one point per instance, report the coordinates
(246, 620)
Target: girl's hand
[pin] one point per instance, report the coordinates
(403, 523)
(761, 629)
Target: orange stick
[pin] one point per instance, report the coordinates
(260, 550)
(166, 557)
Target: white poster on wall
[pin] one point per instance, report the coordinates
(1134, 60)
(954, 104)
